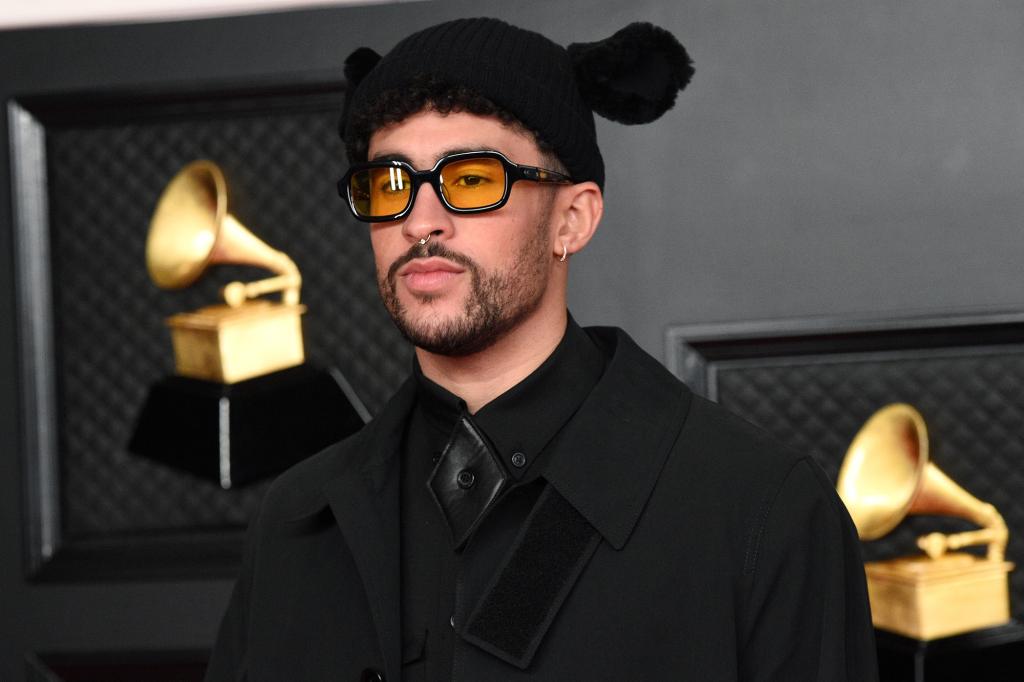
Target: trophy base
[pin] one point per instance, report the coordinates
(235, 434)
(925, 599)
(230, 344)
(993, 654)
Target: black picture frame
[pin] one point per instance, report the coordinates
(50, 554)
(696, 352)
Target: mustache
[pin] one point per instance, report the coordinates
(431, 249)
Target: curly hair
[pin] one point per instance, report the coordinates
(428, 92)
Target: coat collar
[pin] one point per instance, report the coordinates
(369, 455)
(607, 459)
(604, 463)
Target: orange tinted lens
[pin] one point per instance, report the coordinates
(473, 183)
(380, 191)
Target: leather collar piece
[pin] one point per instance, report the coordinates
(468, 478)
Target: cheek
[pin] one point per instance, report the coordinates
(506, 239)
(385, 247)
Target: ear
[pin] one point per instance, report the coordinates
(580, 208)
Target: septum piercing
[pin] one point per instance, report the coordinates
(423, 240)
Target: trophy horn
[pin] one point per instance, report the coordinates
(886, 476)
(191, 229)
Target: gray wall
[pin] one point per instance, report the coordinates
(829, 158)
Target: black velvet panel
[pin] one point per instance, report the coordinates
(554, 546)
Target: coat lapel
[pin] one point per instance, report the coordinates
(365, 504)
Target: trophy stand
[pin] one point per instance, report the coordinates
(234, 434)
(243, 403)
(988, 655)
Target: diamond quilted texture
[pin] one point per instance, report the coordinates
(111, 342)
(970, 399)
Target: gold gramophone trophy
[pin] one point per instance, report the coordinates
(246, 336)
(243, 403)
(887, 476)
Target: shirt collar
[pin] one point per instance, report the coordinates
(439, 406)
(522, 420)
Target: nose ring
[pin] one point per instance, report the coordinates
(423, 241)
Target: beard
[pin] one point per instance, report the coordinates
(497, 301)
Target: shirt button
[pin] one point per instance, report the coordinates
(518, 460)
(465, 479)
(371, 675)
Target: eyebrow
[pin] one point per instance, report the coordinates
(447, 152)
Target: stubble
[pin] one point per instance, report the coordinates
(496, 304)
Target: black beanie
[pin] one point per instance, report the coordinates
(631, 77)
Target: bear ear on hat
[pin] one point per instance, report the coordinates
(358, 64)
(633, 76)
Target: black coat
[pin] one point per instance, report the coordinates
(673, 541)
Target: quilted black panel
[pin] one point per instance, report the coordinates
(969, 397)
(105, 174)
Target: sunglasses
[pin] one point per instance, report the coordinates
(467, 182)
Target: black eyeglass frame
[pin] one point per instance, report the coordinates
(513, 173)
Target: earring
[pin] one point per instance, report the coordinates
(565, 253)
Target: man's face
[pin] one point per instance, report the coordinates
(479, 275)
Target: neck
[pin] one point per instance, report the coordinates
(481, 377)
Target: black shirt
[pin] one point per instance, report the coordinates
(517, 425)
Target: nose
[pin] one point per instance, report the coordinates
(428, 217)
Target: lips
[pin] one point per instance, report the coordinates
(428, 275)
(425, 265)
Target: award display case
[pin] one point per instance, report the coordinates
(88, 170)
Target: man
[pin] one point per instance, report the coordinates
(538, 501)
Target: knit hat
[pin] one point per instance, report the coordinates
(631, 77)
